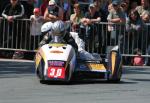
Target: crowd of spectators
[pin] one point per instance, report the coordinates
(84, 13)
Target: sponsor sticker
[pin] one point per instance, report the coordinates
(56, 72)
(56, 63)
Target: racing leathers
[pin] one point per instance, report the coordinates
(68, 39)
(49, 30)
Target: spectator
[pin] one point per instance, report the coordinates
(72, 2)
(117, 16)
(53, 12)
(65, 5)
(91, 16)
(110, 8)
(28, 6)
(36, 23)
(89, 29)
(144, 10)
(134, 28)
(138, 60)
(13, 11)
(76, 18)
(43, 6)
(104, 9)
(125, 8)
(134, 22)
(102, 13)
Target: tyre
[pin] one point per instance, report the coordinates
(115, 66)
(40, 70)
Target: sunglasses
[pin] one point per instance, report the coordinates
(52, 5)
(115, 5)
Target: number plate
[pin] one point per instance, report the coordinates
(56, 72)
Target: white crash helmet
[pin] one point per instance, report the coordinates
(46, 27)
(58, 28)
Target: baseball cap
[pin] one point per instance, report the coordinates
(52, 2)
(36, 10)
(91, 5)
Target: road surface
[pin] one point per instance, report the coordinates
(18, 84)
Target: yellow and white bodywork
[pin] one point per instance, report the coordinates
(55, 56)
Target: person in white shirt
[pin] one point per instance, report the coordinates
(36, 22)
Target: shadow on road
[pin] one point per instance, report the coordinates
(137, 74)
(15, 69)
(136, 70)
(85, 82)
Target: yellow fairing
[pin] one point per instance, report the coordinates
(39, 55)
(113, 61)
(57, 45)
(96, 67)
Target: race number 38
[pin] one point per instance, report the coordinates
(56, 72)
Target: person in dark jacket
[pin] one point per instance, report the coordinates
(134, 27)
(53, 12)
(12, 12)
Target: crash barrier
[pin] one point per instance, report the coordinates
(98, 37)
(16, 35)
(102, 35)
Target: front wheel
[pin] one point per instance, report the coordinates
(40, 70)
(115, 66)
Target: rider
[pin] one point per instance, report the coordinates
(57, 29)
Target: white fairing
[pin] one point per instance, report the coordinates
(57, 56)
(61, 53)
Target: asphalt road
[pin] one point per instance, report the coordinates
(18, 84)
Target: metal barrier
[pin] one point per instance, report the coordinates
(16, 35)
